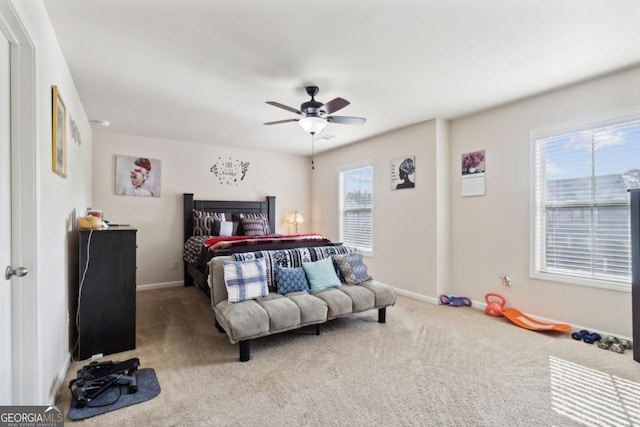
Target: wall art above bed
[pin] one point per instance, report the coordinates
(229, 171)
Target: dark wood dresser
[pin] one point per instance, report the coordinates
(107, 291)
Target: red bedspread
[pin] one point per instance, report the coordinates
(198, 250)
(215, 243)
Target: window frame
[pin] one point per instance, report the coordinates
(341, 170)
(593, 122)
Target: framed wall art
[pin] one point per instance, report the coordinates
(138, 176)
(403, 172)
(473, 171)
(58, 133)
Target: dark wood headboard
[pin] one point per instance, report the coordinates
(268, 207)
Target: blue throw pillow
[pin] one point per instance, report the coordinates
(245, 280)
(321, 274)
(291, 280)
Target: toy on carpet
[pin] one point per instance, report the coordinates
(494, 308)
(619, 345)
(586, 336)
(455, 301)
(615, 344)
(497, 309)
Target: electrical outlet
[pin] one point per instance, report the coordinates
(174, 265)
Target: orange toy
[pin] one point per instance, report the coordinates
(497, 309)
(526, 322)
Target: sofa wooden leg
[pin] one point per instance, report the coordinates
(317, 329)
(382, 315)
(245, 350)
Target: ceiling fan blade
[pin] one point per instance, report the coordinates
(281, 121)
(344, 120)
(334, 105)
(285, 107)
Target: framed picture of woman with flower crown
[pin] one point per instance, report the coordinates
(137, 176)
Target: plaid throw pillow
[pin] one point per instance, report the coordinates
(245, 280)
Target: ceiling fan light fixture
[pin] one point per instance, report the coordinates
(312, 124)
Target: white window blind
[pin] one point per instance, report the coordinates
(581, 218)
(356, 207)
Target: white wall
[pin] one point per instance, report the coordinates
(491, 233)
(186, 169)
(406, 222)
(57, 200)
(430, 240)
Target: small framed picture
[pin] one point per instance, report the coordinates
(472, 163)
(59, 133)
(403, 172)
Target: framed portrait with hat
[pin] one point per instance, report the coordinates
(403, 171)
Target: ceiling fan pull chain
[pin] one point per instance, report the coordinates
(312, 153)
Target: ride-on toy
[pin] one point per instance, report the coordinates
(497, 309)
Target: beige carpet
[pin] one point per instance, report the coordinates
(427, 366)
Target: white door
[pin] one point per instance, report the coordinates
(6, 363)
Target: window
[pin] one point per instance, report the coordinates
(356, 206)
(581, 231)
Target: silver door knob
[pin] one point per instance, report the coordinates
(20, 271)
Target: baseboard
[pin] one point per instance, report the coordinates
(481, 305)
(416, 296)
(59, 382)
(159, 286)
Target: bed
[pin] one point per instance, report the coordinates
(198, 250)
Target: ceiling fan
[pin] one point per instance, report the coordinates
(316, 115)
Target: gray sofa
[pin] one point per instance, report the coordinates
(246, 320)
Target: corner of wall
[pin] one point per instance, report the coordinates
(443, 208)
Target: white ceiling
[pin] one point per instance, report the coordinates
(201, 70)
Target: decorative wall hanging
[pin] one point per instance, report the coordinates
(59, 133)
(403, 172)
(229, 171)
(75, 132)
(137, 176)
(473, 170)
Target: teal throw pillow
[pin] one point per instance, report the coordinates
(290, 280)
(321, 274)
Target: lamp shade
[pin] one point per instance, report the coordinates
(295, 218)
(312, 124)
